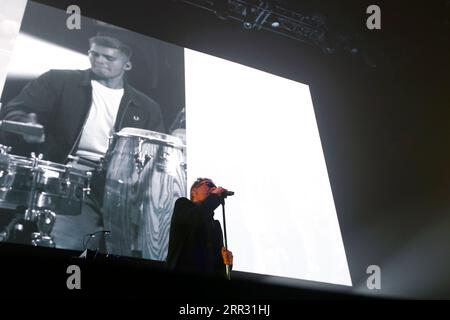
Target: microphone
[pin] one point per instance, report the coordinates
(89, 236)
(228, 193)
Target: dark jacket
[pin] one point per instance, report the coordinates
(195, 239)
(62, 100)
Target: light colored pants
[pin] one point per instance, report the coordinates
(72, 232)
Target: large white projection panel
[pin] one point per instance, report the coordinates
(256, 134)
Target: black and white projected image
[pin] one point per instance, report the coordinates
(95, 148)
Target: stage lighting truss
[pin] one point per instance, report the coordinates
(270, 16)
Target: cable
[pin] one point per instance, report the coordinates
(92, 235)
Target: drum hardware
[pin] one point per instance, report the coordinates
(38, 239)
(44, 219)
(107, 157)
(34, 170)
(141, 161)
(73, 158)
(40, 156)
(141, 158)
(87, 188)
(4, 173)
(5, 149)
(66, 177)
(11, 231)
(163, 163)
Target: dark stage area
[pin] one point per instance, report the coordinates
(382, 103)
(116, 277)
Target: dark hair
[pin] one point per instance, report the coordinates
(110, 42)
(198, 182)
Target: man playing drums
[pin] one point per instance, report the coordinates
(79, 110)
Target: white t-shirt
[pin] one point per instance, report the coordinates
(99, 125)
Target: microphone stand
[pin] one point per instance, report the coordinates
(228, 271)
(85, 243)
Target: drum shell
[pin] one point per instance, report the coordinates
(145, 174)
(58, 187)
(15, 181)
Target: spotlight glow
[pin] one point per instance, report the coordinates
(29, 50)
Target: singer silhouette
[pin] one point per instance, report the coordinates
(196, 240)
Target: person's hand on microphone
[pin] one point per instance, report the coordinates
(32, 118)
(227, 256)
(219, 191)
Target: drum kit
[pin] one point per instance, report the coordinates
(144, 173)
